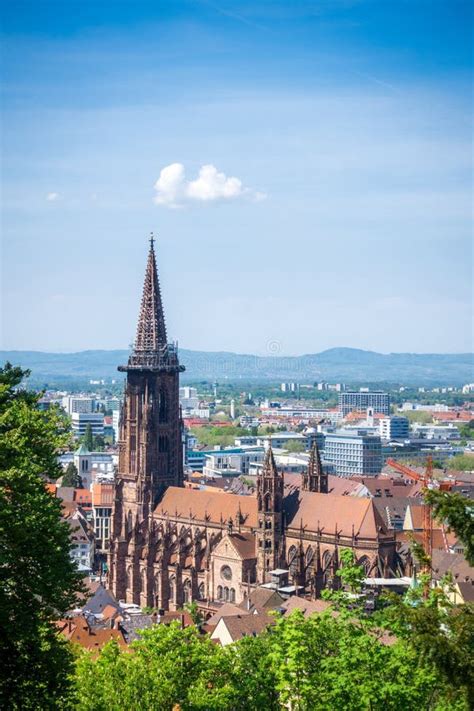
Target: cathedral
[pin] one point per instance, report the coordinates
(171, 544)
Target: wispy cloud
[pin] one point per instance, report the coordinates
(52, 197)
(173, 190)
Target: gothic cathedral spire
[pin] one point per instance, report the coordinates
(150, 439)
(151, 329)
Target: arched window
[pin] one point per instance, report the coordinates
(162, 407)
(309, 555)
(219, 592)
(201, 592)
(266, 502)
(293, 561)
(129, 522)
(129, 577)
(163, 443)
(365, 563)
(232, 595)
(327, 558)
(226, 594)
(172, 585)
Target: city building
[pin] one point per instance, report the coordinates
(80, 420)
(378, 400)
(102, 502)
(72, 403)
(394, 428)
(115, 423)
(171, 544)
(225, 463)
(353, 453)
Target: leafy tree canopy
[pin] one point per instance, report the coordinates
(39, 581)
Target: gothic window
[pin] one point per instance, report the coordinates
(162, 407)
(133, 452)
(232, 595)
(226, 572)
(163, 443)
(129, 522)
(226, 594)
(172, 587)
(133, 407)
(266, 503)
(365, 563)
(309, 555)
(219, 592)
(293, 560)
(326, 561)
(129, 578)
(143, 581)
(201, 592)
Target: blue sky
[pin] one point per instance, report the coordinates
(346, 124)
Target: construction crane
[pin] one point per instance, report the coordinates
(427, 480)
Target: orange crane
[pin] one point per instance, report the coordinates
(427, 480)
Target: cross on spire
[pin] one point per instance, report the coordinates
(151, 329)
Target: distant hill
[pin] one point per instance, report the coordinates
(333, 365)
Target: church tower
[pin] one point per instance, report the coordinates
(150, 448)
(315, 478)
(270, 517)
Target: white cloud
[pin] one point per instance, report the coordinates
(174, 191)
(52, 197)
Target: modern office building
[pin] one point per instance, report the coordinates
(78, 404)
(378, 400)
(80, 420)
(394, 428)
(353, 453)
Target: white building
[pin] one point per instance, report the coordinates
(80, 420)
(394, 428)
(224, 463)
(73, 403)
(353, 453)
(435, 432)
(116, 424)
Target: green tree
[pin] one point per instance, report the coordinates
(88, 439)
(39, 582)
(458, 512)
(71, 476)
(98, 444)
(462, 462)
(295, 447)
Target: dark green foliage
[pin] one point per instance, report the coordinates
(458, 512)
(88, 439)
(71, 476)
(38, 581)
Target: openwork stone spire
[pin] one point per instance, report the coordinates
(314, 478)
(269, 468)
(151, 329)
